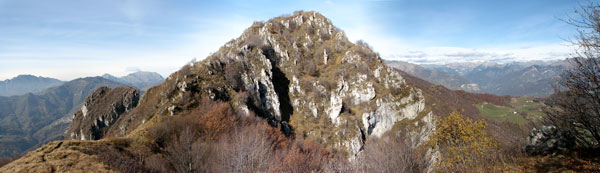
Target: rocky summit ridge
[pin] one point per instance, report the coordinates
(299, 73)
(100, 110)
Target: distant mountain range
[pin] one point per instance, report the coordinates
(24, 84)
(32, 119)
(449, 80)
(140, 80)
(46, 111)
(532, 78)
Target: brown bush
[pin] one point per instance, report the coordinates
(394, 154)
(216, 122)
(254, 41)
(233, 72)
(188, 153)
(302, 156)
(121, 160)
(156, 163)
(246, 150)
(308, 66)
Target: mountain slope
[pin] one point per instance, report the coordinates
(23, 84)
(100, 110)
(531, 78)
(531, 81)
(298, 73)
(450, 80)
(443, 101)
(32, 119)
(140, 80)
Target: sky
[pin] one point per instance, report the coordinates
(68, 39)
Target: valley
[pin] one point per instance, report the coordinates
(368, 86)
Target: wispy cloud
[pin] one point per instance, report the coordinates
(444, 55)
(67, 39)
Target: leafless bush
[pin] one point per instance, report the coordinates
(302, 156)
(392, 155)
(324, 35)
(308, 66)
(233, 75)
(157, 163)
(254, 41)
(576, 104)
(363, 68)
(189, 153)
(247, 150)
(120, 160)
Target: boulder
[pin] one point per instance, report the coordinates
(548, 140)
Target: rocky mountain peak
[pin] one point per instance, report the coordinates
(100, 110)
(141, 80)
(297, 72)
(26, 83)
(301, 74)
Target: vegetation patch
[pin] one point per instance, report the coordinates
(520, 111)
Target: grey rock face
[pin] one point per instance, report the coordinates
(100, 110)
(548, 140)
(301, 74)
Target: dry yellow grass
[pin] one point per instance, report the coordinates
(60, 156)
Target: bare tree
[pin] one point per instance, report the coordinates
(394, 154)
(188, 154)
(576, 104)
(247, 150)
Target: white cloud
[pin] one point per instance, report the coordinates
(444, 55)
(67, 62)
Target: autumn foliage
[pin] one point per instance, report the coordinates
(462, 143)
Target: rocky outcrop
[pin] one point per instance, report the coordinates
(299, 73)
(100, 110)
(34, 119)
(302, 71)
(548, 140)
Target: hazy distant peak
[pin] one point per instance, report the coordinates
(26, 83)
(140, 79)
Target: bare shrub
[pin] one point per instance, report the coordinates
(189, 153)
(302, 156)
(254, 41)
(120, 159)
(308, 66)
(246, 150)
(233, 75)
(156, 163)
(393, 154)
(576, 104)
(218, 121)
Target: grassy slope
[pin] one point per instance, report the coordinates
(520, 111)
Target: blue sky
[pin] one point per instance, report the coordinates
(67, 39)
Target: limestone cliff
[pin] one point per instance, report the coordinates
(299, 73)
(100, 110)
(302, 74)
